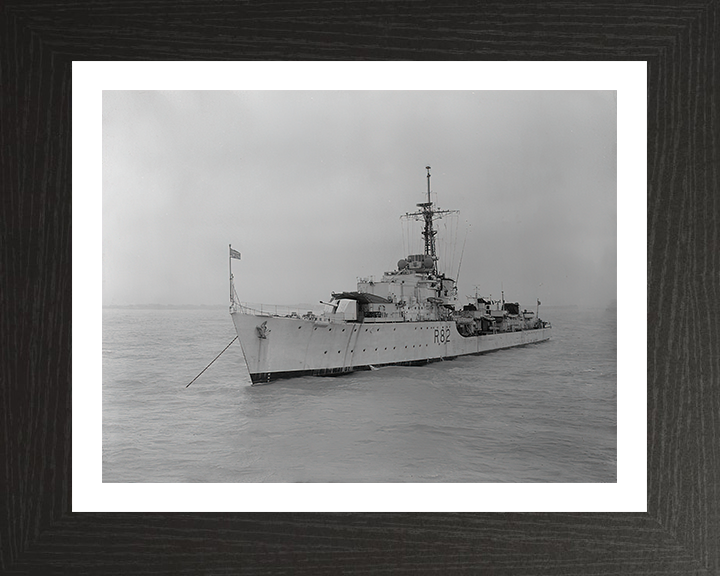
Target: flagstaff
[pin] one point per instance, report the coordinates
(232, 254)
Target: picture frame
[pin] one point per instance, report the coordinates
(678, 534)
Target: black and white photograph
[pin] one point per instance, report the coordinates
(359, 286)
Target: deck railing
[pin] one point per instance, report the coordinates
(297, 311)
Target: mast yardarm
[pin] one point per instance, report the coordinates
(428, 214)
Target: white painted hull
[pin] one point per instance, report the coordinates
(295, 347)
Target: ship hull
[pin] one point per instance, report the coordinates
(282, 347)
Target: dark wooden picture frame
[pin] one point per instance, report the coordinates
(680, 532)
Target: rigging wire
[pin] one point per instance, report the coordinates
(455, 241)
(457, 276)
(444, 245)
(450, 247)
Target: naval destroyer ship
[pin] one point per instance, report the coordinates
(411, 316)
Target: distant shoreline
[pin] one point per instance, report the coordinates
(225, 306)
(165, 306)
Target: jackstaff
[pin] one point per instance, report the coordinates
(231, 255)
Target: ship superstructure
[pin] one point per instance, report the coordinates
(412, 315)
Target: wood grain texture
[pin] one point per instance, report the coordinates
(680, 532)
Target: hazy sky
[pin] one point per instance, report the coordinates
(309, 187)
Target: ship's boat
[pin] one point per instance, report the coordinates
(411, 316)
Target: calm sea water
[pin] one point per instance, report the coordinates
(542, 413)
